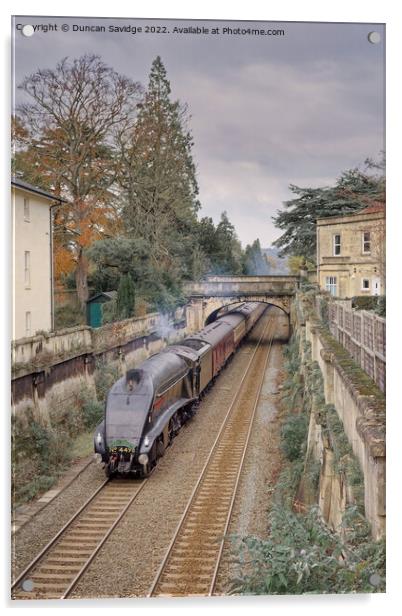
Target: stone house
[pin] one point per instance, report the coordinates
(351, 253)
(32, 258)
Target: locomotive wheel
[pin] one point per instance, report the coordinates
(108, 471)
(152, 460)
(160, 449)
(170, 433)
(153, 456)
(146, 470)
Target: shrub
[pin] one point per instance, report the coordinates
(29, 490)
(105, 375)
(68, 316)
(381, 306)
(125, 297)
(365, 302)
(91, 408)
(65, 418)
(51, 446)
(294, 434)
(303, 556)
(323, 310)
(109, 312)
(39, 453)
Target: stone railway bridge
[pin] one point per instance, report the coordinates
(208, 298)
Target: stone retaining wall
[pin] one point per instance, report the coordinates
(50, 369)
(360, 406)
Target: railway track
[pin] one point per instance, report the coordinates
(57, 569)
(191, 563)
(54, 573)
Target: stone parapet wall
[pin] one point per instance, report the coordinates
(48, 348)
(26, 351)
(121, 331)
(247, 285)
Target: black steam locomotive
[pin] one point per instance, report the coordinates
(145, 409)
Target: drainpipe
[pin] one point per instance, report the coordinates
(318, 255)
(54, 205)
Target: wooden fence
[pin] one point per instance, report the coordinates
(362, 333)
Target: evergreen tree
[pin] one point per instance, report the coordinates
(159, 176)
(353, 191)
(255, 262)
(125, 297)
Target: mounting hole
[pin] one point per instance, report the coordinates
(375, 579)
(374, 37)
(27, 30)
(27, 585)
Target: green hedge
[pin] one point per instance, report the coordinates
(376, 303)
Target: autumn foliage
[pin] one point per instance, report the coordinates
(65, 140)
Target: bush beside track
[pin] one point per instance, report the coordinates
(43, 449)
(301, 554)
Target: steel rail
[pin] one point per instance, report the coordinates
(207, 463)
(31, 566)
(56, 537)
(105, 538)
(229, 515)
(53, 542)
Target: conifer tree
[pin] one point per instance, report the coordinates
(125, 297)
(159, 175)
(255, 261)
(354, 190)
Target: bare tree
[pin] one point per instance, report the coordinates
(74, 117)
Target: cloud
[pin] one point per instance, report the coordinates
(266, 112)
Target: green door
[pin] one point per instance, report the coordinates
(95, 314)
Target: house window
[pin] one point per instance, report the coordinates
(337, 244)
(27, 324)
(365, 284)
(330, 284)
(27, 269)
(27, 213)
(366, 242)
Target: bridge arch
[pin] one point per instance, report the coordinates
(209, 296)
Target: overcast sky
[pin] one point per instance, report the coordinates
(266, 111)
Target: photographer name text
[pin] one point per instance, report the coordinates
(154, 29)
